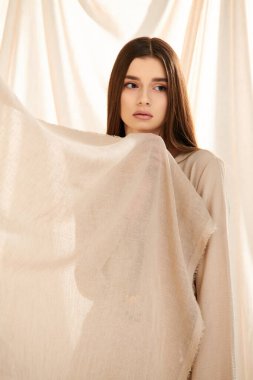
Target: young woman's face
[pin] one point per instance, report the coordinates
(144, 96)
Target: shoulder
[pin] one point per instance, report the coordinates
(202, 167)
(200, 157)
(200, 160)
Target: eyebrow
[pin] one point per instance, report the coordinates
(153, 79)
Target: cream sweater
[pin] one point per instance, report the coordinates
(213, 285)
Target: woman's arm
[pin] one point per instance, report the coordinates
(215, 359)
(213, 284)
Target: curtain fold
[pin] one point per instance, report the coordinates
(56, 56)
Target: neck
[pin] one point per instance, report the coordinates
(174, 151)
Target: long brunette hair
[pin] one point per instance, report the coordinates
(177, 130)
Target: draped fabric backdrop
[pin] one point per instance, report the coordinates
(56, 56)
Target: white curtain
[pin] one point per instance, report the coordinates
(56, 56)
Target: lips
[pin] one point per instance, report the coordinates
(143, 115)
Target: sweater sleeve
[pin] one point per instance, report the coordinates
(213, 285)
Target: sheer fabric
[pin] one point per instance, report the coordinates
(100, 239)
(48, 58)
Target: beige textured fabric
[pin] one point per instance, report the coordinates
(60, 73)
(100, 239)
(215, 359)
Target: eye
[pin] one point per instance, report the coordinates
(160, 88)
(130, 85)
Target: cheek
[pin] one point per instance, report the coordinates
(165, 105)
(161, 105)
(124, 103)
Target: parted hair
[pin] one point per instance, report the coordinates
(177, 130)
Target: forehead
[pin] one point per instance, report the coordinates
(147, 67)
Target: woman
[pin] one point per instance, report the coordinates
(147, 94)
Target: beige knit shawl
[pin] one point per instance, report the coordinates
(99, 241)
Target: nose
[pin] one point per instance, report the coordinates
(143, 98)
